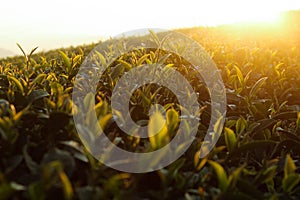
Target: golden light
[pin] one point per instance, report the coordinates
(62, 23)
(236, 11)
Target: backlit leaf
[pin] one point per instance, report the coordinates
(221, 175)
(230, 139)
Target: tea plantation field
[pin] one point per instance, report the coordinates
(256, 157)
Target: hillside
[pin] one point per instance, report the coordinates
(256, 157)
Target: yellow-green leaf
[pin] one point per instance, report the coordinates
(101, 57)
(218, 127)
(240, 76)
(155, 37)
(240, 125)
(104, 120)
(89, 102)
(290, 182)
(199, 163)
(67, 186)
(126, 64)
(172, 119)
(234, 176)
(158, 133)
(39, 79)
(221, 175)
(289, 166)
(257, 86)
(66, 60)
(230, 139)
(142, 59)
(16, 82)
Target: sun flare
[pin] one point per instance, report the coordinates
(248, 13)
(92, 20)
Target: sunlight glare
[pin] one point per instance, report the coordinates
(57, 23)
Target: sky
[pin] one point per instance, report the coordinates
(58, 23)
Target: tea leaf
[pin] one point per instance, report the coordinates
(289, 166)
(66, 60)
(257, 86)
(290, 182)
(199, 163)
(230, 139)
(25, 56)
(16, 82)
(221, 175)
(155, 37)
(172, 119)
(127, 65)
(32, 51)
(67, 186)
(157, 130)
(101, 57)
(240, 125)
(240, 76)
(37, 94)
(39, 79)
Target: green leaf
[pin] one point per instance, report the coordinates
(172, 119)
(163, 59)
(37, 94)
(221, 175)
(26, 58)
(32, 51)
(268, 174)
(262, 125)
(155, 38)
(290, 181)
(67, 186)
(230, 139)
(142, 59)
(17, 116)
(234, 176)
(66, 60)
(12, 79)
(199, 163)
(257, 86)
(117, 71)
(218, 127)
(89, 101)
(127, 65)
(289, 166)
(158, 133)
(240, 76)
(39, 79)
(56, 88)
(103, 121)
(101, 57)
(76, 60)
(240, 125)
